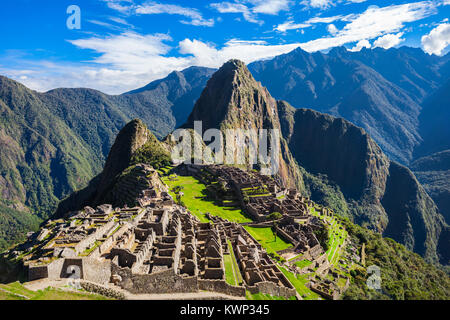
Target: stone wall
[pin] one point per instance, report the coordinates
(221, 286)
(161, 282)
(87, 242)
(272, 289)
(54, 269)
(90, 269)
(96, 271)
(104, 291)
(37, 272)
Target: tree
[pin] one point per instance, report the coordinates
(323, 236)
(178, 193)
(274, 229)
(275, 216)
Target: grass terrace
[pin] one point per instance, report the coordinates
(303, 263)
(266, 238)
(196, 200)
(299, 282)
(337, 237)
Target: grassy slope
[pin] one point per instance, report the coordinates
(267, 239)
(14, 225)
(196, 201)
(16, 291)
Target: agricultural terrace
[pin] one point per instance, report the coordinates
(195, 199)
(337, 236)
(267, 239)
(232, 273)
(299, 282)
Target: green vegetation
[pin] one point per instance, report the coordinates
(323, 236)
(14, 225)
(303, 263)
(196, 200)
(229, 270)
(237, 271)
(275, 216)
(152, 153)
(404, 274)
(266, 238)
(299, 283)
(91, 249)
(325, 192)
(16, 291)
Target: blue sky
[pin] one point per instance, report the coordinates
(122, 45)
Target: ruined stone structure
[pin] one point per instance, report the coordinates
(160, 247)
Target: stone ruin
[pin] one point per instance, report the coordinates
(159, 247)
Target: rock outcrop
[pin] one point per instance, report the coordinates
(233, 99)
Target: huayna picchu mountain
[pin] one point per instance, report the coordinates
(232, 99)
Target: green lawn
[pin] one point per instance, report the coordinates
(229, 270)
(266, 238)
(16, 291)
(195, 200)
(303, 263)
(237, 271)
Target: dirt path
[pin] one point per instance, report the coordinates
(61, 284)
(182, 296)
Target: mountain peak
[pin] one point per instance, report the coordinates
(132, 137)
(237, 100)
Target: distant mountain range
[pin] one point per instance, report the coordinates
(62, 137)
(382, 91)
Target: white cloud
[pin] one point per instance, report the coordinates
(446, 2)
(332, 29)
(228, 7)
(290, 25)
(323, 4)
(389, 40)
(361, 44)
(437, 40)
(123, 6)
(251, 8)
(151, 7)
(247, 51)
(373, 23)
(130, 60)
(270, 6)
(194, 15)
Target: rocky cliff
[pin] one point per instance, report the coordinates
(381, 194)
(233, 99)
